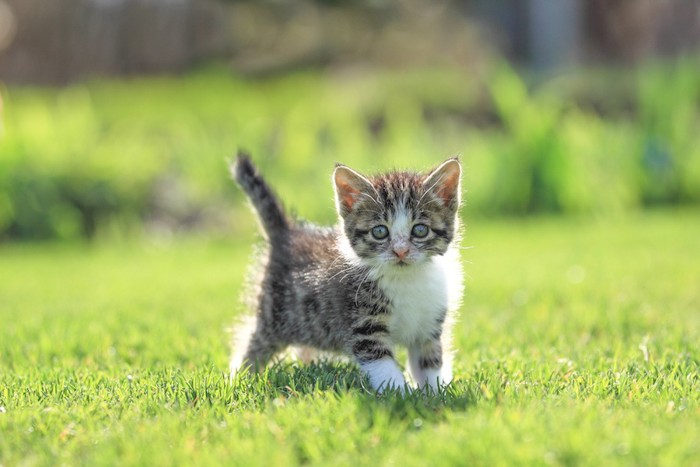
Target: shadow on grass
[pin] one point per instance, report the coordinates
(294, 380)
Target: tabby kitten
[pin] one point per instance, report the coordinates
(388, 273)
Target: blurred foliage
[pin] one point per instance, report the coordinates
(115, 156)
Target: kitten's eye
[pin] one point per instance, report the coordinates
(380, 232)
(420, 230)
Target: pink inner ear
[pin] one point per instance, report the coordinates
(446, 179)
(348, 195)
(348, 185)
(447, 190)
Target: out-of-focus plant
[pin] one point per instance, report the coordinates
(668, 98)
(120, 156)
(532, 173)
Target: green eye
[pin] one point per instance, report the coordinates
(420, 230)
(380, 232)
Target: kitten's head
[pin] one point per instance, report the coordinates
(399, 218)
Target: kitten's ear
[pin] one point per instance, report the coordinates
(444, 181)
(348, 187)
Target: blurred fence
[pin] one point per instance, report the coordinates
(59, 41)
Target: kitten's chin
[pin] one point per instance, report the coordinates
(403, 264)
(393, 265)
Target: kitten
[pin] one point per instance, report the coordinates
(388, 273)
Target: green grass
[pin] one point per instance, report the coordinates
(579, 344)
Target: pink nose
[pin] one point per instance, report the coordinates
(401, 251)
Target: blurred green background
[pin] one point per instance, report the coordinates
(100, 148)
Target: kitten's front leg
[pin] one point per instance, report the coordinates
(384, 373)
(377, 361)
(426, 365)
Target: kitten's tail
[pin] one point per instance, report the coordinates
(269, 208)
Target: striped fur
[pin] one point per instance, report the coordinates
(269, 209)
(345, 290)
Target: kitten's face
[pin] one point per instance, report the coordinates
(399, 219)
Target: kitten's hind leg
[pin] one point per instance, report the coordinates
(305, 354)
(251, 348)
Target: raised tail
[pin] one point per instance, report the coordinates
(269, 208)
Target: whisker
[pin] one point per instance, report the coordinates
(335, 260)
(364, 278)
(373, 199)
(439, 180)
(348, 269)
(369, 211)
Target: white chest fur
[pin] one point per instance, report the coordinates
(420, 295)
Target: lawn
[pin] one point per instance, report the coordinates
(578, 344)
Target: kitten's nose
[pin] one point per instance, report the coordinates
(400, 251)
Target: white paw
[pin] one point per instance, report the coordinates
(384, 374)
(432, 378)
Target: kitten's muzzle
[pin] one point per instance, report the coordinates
(401, 251)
